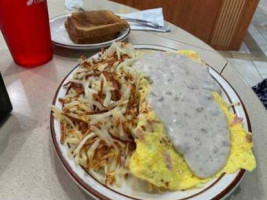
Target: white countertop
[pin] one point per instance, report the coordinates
(29, 167)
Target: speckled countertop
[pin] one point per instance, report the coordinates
(29, 167)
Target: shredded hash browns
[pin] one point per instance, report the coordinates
(100, 112)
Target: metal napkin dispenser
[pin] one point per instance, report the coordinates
(5, 104)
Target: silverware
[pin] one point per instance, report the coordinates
(148, 24)
(143, 22)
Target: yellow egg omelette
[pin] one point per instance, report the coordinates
(153, 147)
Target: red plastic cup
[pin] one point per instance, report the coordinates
(25, 27)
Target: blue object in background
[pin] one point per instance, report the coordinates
(261, 91)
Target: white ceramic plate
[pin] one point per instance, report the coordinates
(60, 36)
(218, 188)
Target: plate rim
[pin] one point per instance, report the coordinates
(91, 191)
(86, 46)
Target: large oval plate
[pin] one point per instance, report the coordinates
(218, 188)
(60, 36)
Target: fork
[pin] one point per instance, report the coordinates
(143, 22)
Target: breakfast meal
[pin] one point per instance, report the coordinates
(94, 26)
(159, 117)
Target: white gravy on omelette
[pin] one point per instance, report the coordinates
(181, 96)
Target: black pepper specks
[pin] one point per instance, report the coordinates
(160, 99)
(200, 109)
(225, 143)
(203, 130)
(169, 93)
(176, 98)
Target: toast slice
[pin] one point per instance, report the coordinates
(94, 26)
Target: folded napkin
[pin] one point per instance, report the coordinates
(152, 15)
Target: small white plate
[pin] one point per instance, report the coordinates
(218, 188)
(60, 36)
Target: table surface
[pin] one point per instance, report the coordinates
(29, 167)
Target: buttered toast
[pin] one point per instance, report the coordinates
(94, 26)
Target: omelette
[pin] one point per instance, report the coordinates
(157, 161)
